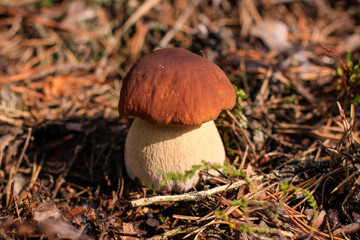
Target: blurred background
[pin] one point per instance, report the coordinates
(67, 58)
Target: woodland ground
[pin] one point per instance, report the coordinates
(292, 140)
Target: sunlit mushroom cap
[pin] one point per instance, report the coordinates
(174, 86)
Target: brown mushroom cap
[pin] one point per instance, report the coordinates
(174, 86)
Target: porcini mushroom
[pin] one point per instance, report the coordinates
(174, 96)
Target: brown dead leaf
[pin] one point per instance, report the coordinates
(45, 211)
(319, 219)
(25, 229)
(132, 228)
(76, 212)
(59, 229)
(273, 33)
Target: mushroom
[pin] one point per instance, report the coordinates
(174, 96)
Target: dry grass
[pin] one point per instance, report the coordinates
(61, 141)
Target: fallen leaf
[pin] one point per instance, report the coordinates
(273, 33)
(59, 229)
(45, 211)
(132, 228)
(319, 219)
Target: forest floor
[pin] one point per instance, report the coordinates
(292, 140)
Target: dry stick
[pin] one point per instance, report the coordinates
(243, 159)
(37, 72)
(15, 113)
(46, 22)
(345, 181)
(347, 136)
(61, 179)
(352, 116)
(183, 217)
(10, 197)
(264, 89)
(297, 86)
(141, 11)
(243, 132)
(349, 194)
(173, 232)
(26, 144)
(202, 228)
(253, 11)
(179, 23)
(280, 141)
(16, 206)
(35, 174)
(348, 229)
(37, 59)
(192, 196)
(215, 222)
(11, 121)
(347, 126)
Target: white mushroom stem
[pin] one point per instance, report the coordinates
(172, 149)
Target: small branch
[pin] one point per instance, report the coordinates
(347, 229)
(173, 232)
(26, 144)
(139, 13)
(179, 23)
(61, 179)
(192, 196)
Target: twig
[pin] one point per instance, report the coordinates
(345, 181)
(243, 132)
(76, 152)
(191, 218)
(61, 179)
(202, 228)
(10, 197)
(35, 174)
(46, 22)
(141, 11)
(216, 222)
(192, 196)
(179, 23)
(40, 72)
(26, 144)
(282, 142)
(173, 232)
(11, 121)
(348, 229)
(299, 87)
(16, 206)
(347, 136)
(253, 11)
(264, 89)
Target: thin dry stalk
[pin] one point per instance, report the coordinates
(192, 196)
